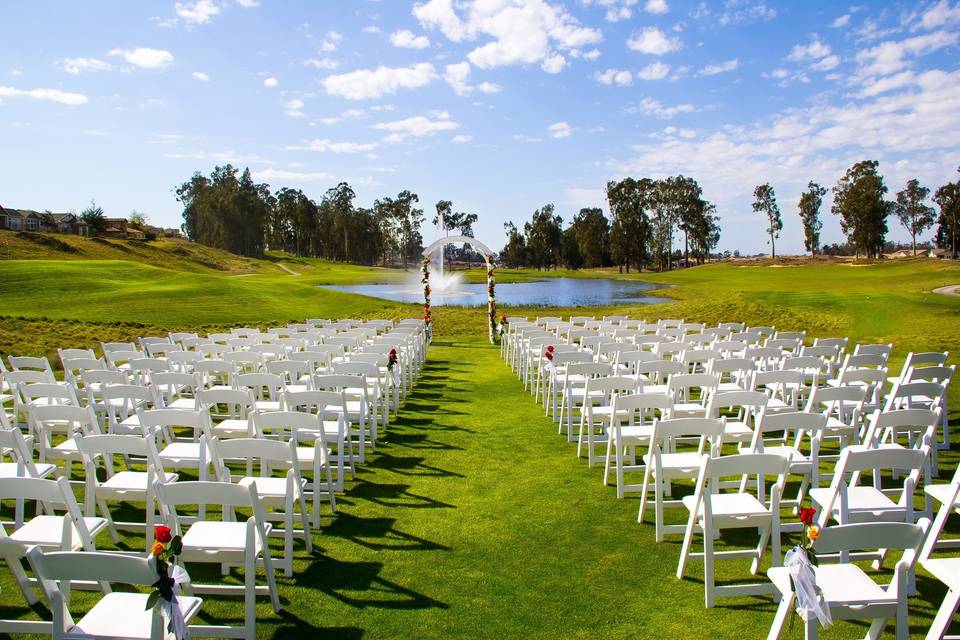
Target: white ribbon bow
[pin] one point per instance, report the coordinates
(172, 615)
(809, 602)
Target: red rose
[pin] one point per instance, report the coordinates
(549, 355)
(162, 533)
(807, 514)
(503, 318)
(550, 348)
(393, 352)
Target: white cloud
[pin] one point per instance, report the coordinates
(888, 83)
(828, 63)
(527, 32)
(779, 74)
(652, 107)
(15, 72)
(330, 120)
(372, 28)
(554, 63)
(417, 126)
(271, 82)
(889, 57)
(654, 71)
(840, 22)
(654, 42)
(200, 75)
(721, 67)
(656, 7)
(616, 14)
(294, 108)
(198, 12)
(525, 138)
(739, 11)
(53, 95)
(321, 63)
(366, 84)
(74, 66)
(559, 130)
(458, 75)
(292, 176)
(613, 76)
(406, 39)
(248, 4)
(813, 51)
(324, 145)
(940, 14)
(462, 138)
(145, 57)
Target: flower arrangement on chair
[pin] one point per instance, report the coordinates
(503, 326)
(427, 315)
(169, 578)
(800, 560)
(392, 366)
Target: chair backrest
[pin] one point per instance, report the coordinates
(709, 430)
(103, 377)
(239, 402)
(286, 425)
(680, 385)
(53, 392)
(266, 386)
(753, 401)
(249, 450)
(588, 370)
(13, 443)
(636, 405)
(801, 423)
(22, 377)
(108, 445)
(934, 373)
(892, 423)
(932, 392)
(203, 492)
(69, 418)
(29, 363)
(874, 349)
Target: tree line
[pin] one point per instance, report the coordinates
(646, 217)
(230, 211)
(859, 200)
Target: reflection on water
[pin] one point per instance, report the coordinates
(560, 292)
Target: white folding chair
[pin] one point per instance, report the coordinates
(632, 426)
(225, 542)
(118, 614)
(847, 591)
(712, 511)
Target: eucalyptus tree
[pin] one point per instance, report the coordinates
(858, 198)
(809, 205)
(766, 203)
(630, 229)
(913, 211)
(947, 198)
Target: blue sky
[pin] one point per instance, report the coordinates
(498, 105)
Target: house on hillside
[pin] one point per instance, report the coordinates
(29, 220)
(120, 228)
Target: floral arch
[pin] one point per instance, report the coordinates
(487, 254)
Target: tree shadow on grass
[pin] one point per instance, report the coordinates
(411, 466)
(393, 495)
(359, 584)
(378, 534)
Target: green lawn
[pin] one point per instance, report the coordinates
(474, 518)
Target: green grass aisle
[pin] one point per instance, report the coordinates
(474, 519)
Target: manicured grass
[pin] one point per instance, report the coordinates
(474, 519)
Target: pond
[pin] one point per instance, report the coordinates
(554, 292)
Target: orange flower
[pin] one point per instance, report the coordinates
(157, 549)
(813, 532)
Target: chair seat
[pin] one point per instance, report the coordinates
(689, 410)
(306, 456)
(799, 461)
(266, 487)
(268, 405)
(633, 434)
(946, 570)
(179, 452)
(47, 532)
(940, 492)
(188, 404)
(731, 506)
(863, 503)
(737, 431)
(684, 463)
(132, 481)
(206, 535)
(124, 615)
(231, 428)
(11, 470)
(844, 584)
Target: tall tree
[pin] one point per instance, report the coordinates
(93, 216)
(515, 250)
(570, 249)
(591, 232)
(913, 211)
(810, 202)
(543, 236)
(686, 197)
(630, 228)
(766, 203)
(704, 231)
(858, 198)
(947, 198)
(407, 220)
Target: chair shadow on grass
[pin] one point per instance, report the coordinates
(359, 584)
(392, 496)
(410, 466)
(420, 441)
(378, 534)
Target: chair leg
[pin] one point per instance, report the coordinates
(606, 463)
(879, 624)
(941, 622)
(780, 619)
(764, 537)
(687, 542)
(708, 577)
(304, 522)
